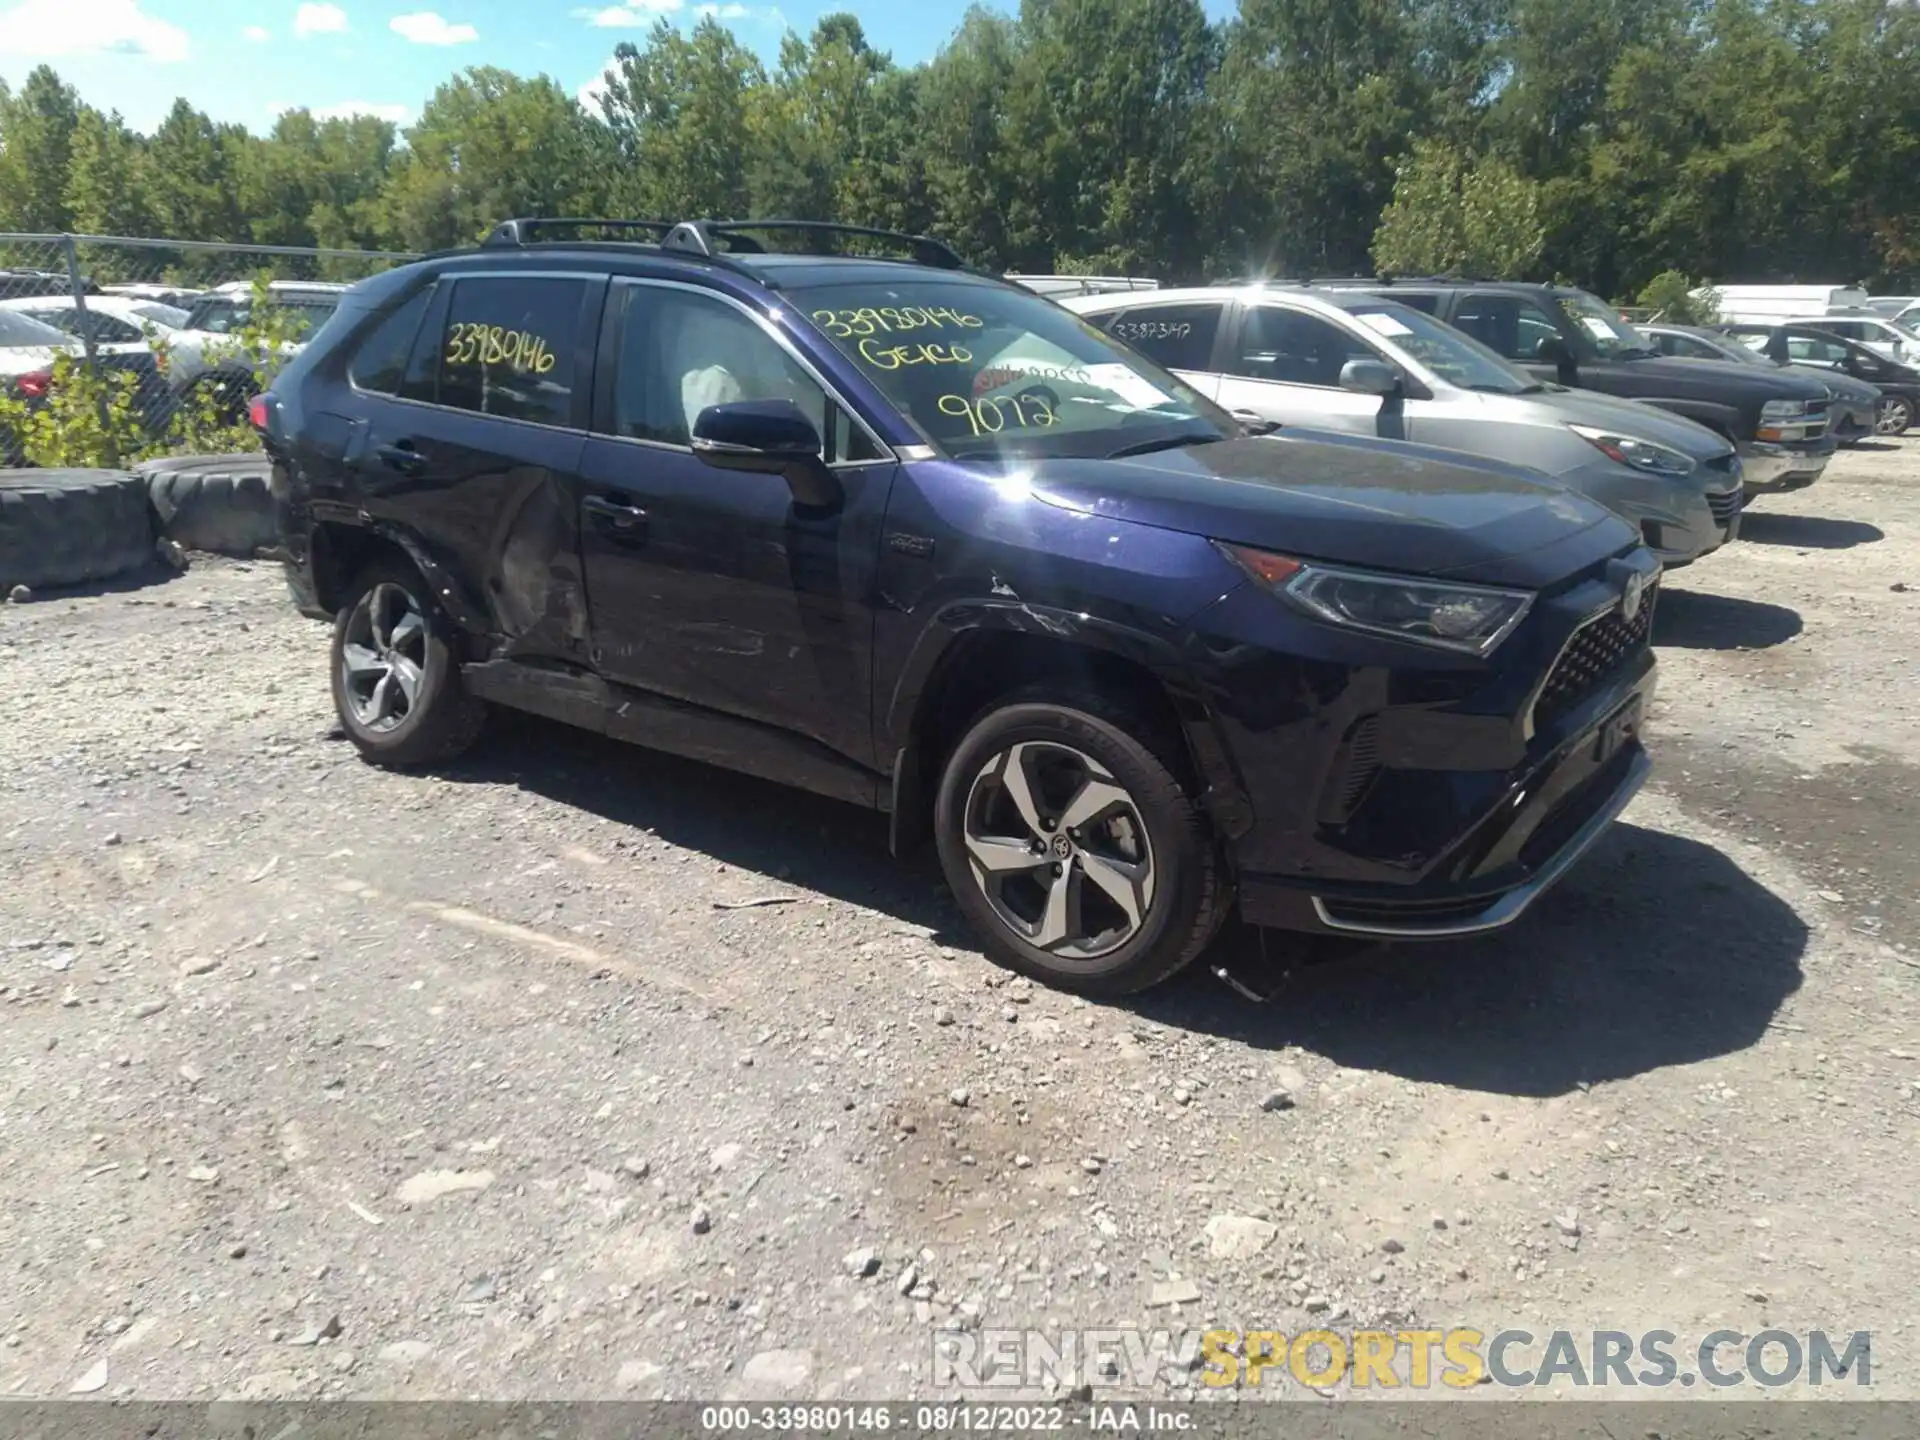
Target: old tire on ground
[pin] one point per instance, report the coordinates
(63, 527)
(1071, 845)
(219, 503)
(395, 660)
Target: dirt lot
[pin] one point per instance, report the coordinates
(324, 1081)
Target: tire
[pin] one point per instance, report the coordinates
(65, 527)
(432, 721)
(218, 503)
(1141, 812)
(1894, 416)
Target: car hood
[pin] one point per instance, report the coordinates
(1353, 501)
(1844, 387)
(1669, 374)
(1632, 419)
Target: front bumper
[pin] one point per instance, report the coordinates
(1792, 465)
(1550, 817)
(1409, 798)
(1679, 518)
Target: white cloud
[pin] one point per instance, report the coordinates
(347, 109)
(722, 12)
(427, 28)
(589, 94)
(630, 15)
(319, 20)
(65, 29)
(257, 34)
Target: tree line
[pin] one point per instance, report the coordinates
(1603, 141)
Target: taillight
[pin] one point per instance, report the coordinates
(34, 384)
(257, 413)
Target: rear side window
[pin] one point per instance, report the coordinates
(1415, 300)
(380, 362)
(507, 348)
(1175, 337)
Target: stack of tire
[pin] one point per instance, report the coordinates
(68, 527)
(221, 504)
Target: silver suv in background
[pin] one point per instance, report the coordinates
(1347, 360)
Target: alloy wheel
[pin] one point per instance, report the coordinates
(383, 657)
(1059, 849)
(1896, 414)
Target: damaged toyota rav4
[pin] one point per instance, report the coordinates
(919, 539)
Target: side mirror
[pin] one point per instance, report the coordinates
(1369, 377)
(1552, 350)
(767, 437)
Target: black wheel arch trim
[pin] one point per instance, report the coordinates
(1223, 795)
(449, 593)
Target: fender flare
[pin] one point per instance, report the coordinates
(1222, 794)
(449, 593)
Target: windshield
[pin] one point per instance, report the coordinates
(1611, 336)
(166, 316)
(1453, 355)
(17, 331)
(985, 371)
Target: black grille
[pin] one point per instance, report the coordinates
(1726, 505)
(1596, 651)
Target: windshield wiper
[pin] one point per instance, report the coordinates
(1164, 442)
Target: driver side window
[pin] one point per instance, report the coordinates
(681, 352)
(1507, 324)
(1294, 348)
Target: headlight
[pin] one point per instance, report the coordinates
(1631, 450)
(1472, 619)
(1787, 411)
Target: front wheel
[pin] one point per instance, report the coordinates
(1895, 415)
(396, 673)
(1073, 850)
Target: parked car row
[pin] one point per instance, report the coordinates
(180, 354)
(1543, 376)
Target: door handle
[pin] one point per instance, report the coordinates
(625, 518)
(402, 457)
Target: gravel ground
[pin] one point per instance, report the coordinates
(324, 1081)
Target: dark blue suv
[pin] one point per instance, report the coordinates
(915, 537)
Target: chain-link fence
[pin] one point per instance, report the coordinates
(114, 349)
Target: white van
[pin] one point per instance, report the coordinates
(1770, 304)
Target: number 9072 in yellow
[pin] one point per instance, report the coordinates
(991, 414)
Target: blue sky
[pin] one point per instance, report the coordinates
(245, 62)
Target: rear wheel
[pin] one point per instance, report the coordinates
(1895, 415)
(1073, 849)
(396, 674)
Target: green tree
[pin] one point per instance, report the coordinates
(1670, 296)
(677, 111)
(490, 145)
(1455, 215)
(36, 148)
(106, 178)
(191, 188)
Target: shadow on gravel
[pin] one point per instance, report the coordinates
(1656, 951)
(1696, 620)
(1872, 445)
(795, 839)
(143, 577)
(1807, 532)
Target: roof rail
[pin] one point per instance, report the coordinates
(530, 229)
(698, 236)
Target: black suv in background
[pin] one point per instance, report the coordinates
(1807, 343)
(1778, 422)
